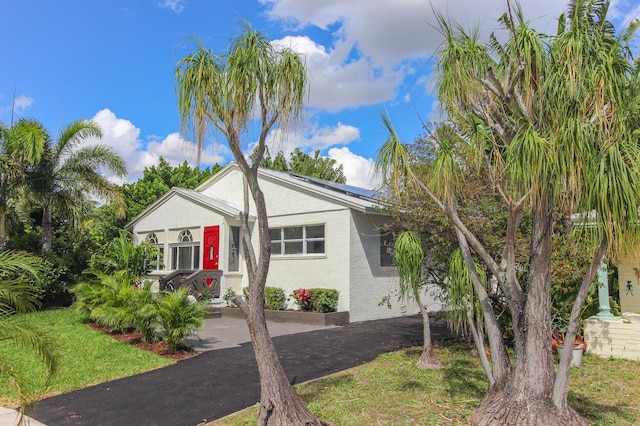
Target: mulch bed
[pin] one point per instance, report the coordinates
(134, 338)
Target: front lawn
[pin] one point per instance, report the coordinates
(89, 357)
(390, 391)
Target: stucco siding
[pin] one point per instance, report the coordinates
(280, 198)
(229, 189)
(175, 215)
(330, 270)
(629, 275)
(369, 282)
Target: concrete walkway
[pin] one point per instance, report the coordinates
(9, 417)
(222, 381)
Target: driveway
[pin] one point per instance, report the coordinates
(219, 382)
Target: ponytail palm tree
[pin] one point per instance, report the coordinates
(68, 173)
(550, 120)
(250, 83)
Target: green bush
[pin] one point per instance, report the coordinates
(107, 300)
(53, 289)
(144, 312)
(274, 298)
(179, 318)
(323, 299)
(316, 299)
(228, 295)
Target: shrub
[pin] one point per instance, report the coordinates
(52, 287)
(178, 317)
(274, 298)
(301, 296)
(107, 299)
(323, 299)
(228, 295)
(316, 299)
(144, 312)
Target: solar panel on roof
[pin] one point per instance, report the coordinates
(341, 187)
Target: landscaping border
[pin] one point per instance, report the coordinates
(298, 317)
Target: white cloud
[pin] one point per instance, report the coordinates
(336, 81)
(315, 138)
(22, 103)
(374, 44)
(327, 136)
(625, 10)
(389, 32)
(124, 137)
(358, 170)
(175, 5)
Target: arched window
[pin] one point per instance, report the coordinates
(185, 236)
(158, 265)
(185, 254)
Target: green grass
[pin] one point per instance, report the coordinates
(390, 391)
(88, 357)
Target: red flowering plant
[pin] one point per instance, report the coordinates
(303, 299)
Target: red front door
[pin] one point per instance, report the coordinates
(211, 247)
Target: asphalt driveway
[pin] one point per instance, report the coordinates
(219, 382)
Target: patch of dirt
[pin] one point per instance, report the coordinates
(134, 338)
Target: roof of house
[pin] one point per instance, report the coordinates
(359, 199)
(189, 194)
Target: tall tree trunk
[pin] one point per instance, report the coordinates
(501, 367)
(279, 403)
(3, 224)
(428, 359)
(561, 385)
(527, 398)
(47, 229)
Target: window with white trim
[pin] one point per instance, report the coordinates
(185, 254)
(297, 240)
(152, 239)
(234, 248)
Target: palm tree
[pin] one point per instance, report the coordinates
(21, 146)
(69, 172)
(225, 91)
(549, 121)
(18, 296)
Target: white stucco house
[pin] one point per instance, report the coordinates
(324, 235)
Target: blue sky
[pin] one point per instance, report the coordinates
(113, 62)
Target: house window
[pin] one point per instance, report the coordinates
(234, 246)
(387, 257)
(152, 239)
(297, 240)
(185, 254)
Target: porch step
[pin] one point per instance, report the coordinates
(214, 312)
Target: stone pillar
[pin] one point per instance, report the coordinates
(604, 312)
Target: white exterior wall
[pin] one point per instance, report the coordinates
(370, 283)
(628, 274)
(174, 215)
(229, 189)
(330, 270)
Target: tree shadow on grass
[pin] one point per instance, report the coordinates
(462, 375)
(597, 413)
(316, 390)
